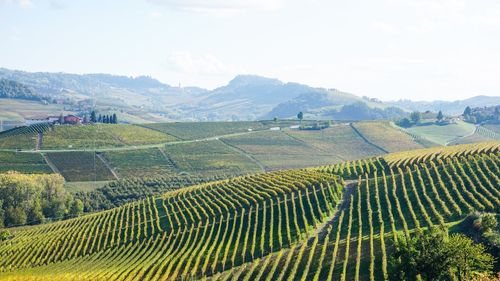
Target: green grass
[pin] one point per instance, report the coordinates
(24, 141)
(140, 163)
(200, 130)
(386, 136)
(339, 140)
(84, 186)
(80, 166)
(443, 134)
(101, 135)
(32, 163)
(209, 157)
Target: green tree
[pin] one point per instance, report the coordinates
(114, 118)
(76, 208)
(35, 214)
(405, 122)
(467, 258)
(467, 111)
(300, 116)
(415, 117)
(275, 119)
(432, 255)
(15, 216)
(4, 234)
(92, 117)
(440, 116)
(488, 222)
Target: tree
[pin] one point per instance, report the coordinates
(467, 258)
(92, 117)
(300, 116)
(61, 119)
(433, 255)
(467, 111)
(76, 207)
(100, 118)
(488, 222)
(15, 216)
(275, 119)
(115, 121)
(4, 234)
(35, 214)
(440, 116)
(405, 122)
(415, 117)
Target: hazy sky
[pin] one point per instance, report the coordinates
(390, 49)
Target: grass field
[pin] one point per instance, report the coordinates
(84, 186)
(443, 134)
(80, 166)
(278, 150)
(101, 135)
(23, 163)
(18, 110)
(340, 140)
(209, 157)
(386, 136)
(140, 163)
(303, 224)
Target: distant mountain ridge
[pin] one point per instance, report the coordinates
(245, 97)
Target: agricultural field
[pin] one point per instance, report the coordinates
(30, 163)
(80, 166)
(306, 224)
(279, 150)
(18, 110)
(443, 134)
(385, 136)
(149, 162)
(340, 141)
(202, 130)
(207, 158)
(101, 136)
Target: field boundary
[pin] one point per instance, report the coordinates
(50, 163)
(108, 165)
(367, 140)
(246, 154)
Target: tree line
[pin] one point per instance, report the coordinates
(106, 119)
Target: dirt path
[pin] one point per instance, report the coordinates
(108, 165)
(349, 189)
(39, 140)
(455, 140)
(365, 139)
(244, 153)
(51, 164)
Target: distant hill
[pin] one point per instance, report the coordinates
(246, 97)
(448, 107)
(15, 90)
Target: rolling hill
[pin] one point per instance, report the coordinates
(333, 222)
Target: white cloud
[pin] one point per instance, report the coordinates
(21, 3)
(204, 64)
(221, 7)
(383, 27)
(156, 14)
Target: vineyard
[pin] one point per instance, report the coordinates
(158, 238)
(23, 162)
(80, 166)
(290, 225)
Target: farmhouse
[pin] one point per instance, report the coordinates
(72, 119)
(68, 119)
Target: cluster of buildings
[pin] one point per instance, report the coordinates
(61, 119)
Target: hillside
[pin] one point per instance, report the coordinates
(308, 224)
(246, 97)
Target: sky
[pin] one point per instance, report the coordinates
(389, 49)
